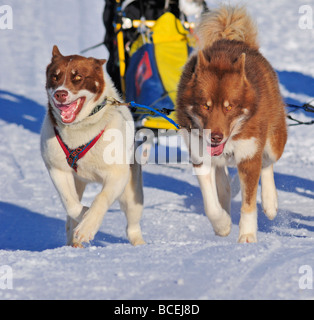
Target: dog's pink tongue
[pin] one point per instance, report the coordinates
(68, 114)
(215, 150)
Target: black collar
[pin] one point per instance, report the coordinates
(98, 107)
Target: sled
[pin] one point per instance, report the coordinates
(150, 66)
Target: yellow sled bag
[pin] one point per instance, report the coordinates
(155, 68)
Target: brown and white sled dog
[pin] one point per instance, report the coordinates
(228, 87)
(78, 119)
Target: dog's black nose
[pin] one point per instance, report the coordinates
(216, 137)
(61, 95)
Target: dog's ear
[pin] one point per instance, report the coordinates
(55, 52)
(102, 61)
(202, 59)
(239, 65)
(98, 61)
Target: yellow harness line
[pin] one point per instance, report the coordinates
(151, 23)
(121, 53)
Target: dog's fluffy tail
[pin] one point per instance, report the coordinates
(232, 23)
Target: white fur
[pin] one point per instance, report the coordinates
(216, 200)
(269, 192)
(215, 186)
(248, 227)
(269, 156)
(236, 151)
(216, 189)
(244, 149)
(120, 181)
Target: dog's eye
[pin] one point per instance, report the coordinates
(54, 77)
(208, 105)
(228, 107)
(78, 78)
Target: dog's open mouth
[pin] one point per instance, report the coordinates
(215, 150)
(68, 112)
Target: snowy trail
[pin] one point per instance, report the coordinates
(183, 259)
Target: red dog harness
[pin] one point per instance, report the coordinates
(73, 155)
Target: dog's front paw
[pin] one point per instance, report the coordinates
(247, 238)
(270, 212)
(248, 227)
(269, 203)
(137, 241)
(135, 235)
(270, 208)
(83, 233)
(77, 245)
(222, 225)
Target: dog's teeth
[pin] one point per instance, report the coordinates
(77, 103)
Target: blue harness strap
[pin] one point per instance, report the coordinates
(136, 105)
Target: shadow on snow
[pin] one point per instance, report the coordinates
(297, 83)
(284, 182)
(22, 111)
(23, 229)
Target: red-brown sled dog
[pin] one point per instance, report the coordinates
(227, 86)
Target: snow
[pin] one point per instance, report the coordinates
(182, 259)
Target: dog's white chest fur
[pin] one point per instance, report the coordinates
(236, 151)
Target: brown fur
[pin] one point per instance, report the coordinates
(217, 74)
(227, 72)
(64, 69)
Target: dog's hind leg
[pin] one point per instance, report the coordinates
(131, 202)
(223, 188)
(218, 216)
(269, 193)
